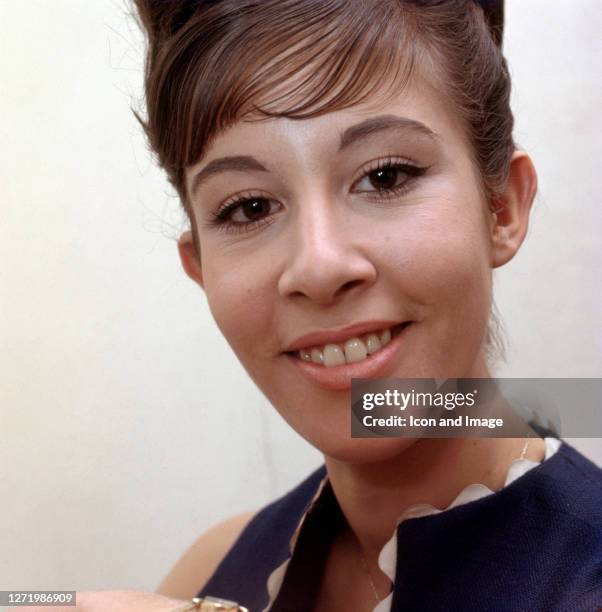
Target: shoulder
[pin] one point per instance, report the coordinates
(226, 548)
(566, 515)
(201, 559)
(574, 485)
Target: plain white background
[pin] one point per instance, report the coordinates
(128, 426)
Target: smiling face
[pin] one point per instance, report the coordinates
(374, 215)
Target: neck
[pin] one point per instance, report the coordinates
(432, 471)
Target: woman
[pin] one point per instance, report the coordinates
(351, 179)
(351, 176)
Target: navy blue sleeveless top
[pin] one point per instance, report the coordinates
(535, 545)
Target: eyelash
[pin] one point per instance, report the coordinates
(221, 218)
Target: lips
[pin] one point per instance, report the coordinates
(380, 364)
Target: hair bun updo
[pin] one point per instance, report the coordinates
(161, 19)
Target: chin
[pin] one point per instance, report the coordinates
(358, 451)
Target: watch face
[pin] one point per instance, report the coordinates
(215, 604)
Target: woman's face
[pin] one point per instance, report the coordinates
(368, 216)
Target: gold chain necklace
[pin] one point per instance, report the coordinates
(366, 568)
(377, 598)
(525, 447)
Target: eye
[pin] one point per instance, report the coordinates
(243, 214)
(250, 209)
(388, 177)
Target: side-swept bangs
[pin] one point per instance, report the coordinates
(275, 58)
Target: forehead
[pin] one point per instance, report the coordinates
(419, 114)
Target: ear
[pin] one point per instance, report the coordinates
(191, 260)
(511, 220)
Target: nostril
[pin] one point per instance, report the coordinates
(349, 285)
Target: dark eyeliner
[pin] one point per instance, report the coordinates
(220, 218)
(413, 171)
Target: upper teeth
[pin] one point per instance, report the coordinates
(354, 349)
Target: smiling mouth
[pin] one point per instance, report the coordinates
(353, 350)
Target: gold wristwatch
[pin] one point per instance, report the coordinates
(212, 604)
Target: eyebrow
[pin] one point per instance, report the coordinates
(353, 134)
(380, 124)
(240, 163)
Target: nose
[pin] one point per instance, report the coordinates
(327, 257)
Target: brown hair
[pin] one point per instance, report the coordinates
(209, 63)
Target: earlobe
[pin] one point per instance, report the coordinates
(191, 261)
(511, 221)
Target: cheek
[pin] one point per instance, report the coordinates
(237, 299)
(440, 258)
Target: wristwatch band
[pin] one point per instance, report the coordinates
(212, 604)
